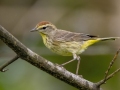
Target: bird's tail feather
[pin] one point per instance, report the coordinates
(109, 38)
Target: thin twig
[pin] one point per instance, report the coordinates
(107, 71)
(107, 78)
(111, 63)
(2, 68)
(112, 74)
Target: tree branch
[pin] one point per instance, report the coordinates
(55, 70)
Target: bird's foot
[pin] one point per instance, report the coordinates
(59, 65)
(80, 76)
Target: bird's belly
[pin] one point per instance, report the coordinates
(66, 48)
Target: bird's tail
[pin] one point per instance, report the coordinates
(90, 42)
(108, 38)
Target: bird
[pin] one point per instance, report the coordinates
(66, 43)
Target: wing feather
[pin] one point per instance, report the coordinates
(67, 36)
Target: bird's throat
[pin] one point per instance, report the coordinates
(44, 37)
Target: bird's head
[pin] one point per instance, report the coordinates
(44, 27)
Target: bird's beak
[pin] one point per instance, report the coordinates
(33, 30)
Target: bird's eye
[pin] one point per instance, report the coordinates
(44, 27)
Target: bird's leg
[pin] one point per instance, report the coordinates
(78, 65)
(74, 58)
(67, 62)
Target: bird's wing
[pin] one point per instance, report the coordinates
(66, 36)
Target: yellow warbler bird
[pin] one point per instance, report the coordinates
(66, 43)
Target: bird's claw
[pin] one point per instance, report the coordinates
(59, 65)
(80, 76)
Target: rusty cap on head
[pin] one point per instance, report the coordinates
(39, 24)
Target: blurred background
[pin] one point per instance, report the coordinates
(97, 17)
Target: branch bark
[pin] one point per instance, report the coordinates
(55, 70)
